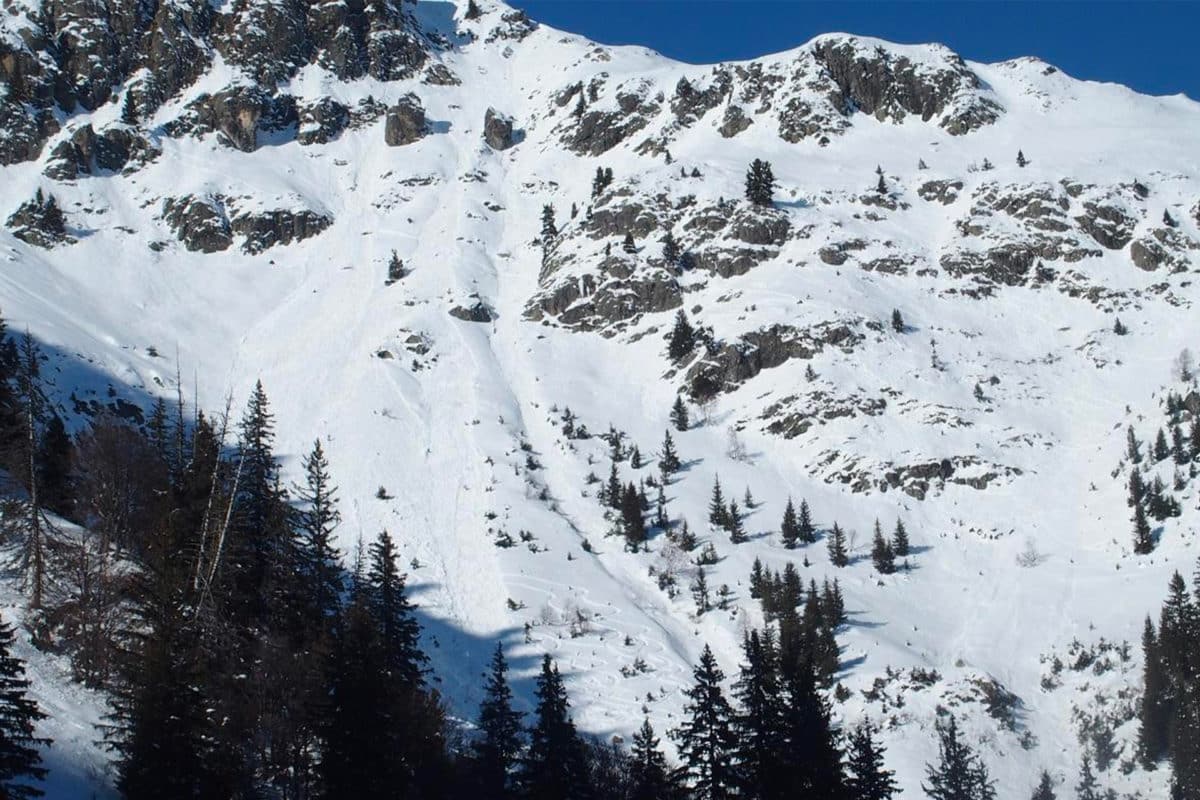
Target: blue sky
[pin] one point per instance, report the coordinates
(1147, 45)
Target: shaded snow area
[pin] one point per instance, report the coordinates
(993, 423)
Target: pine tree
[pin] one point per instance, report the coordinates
(671, 251)
(705, 739)
(633, 525)
(806, 532)
(399, 631)
(881, 187)
(649, 776)
(1021, 160)
(635, 458)
(473, 11)
(1143, 539)
(317, 520)
(1161, 450)
(554, 767)
(897, 321)
(900, 543)
(615, 492)
(54, 467)
(760, 183)
(816, 765)
(628, 245)
(700, 594)
(549, 228)
(868, 780)
(881, 552)
(1179, 448)
(679, 414)
(682, 340)
(395, 270)
(129, 111)
(789, 529)
(20, 762)
(718, 513)
(1168, 220)
(733, 523)
(1119, 327)
(1133, 448)
(960, 774)
(761, 752)
(1045, 788)
(668, 459)
(498, 747)
(1087, 788)
(837, 547)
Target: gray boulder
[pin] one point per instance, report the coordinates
(405, 122)
(498, 130)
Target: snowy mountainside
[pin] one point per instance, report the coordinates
(239, 225)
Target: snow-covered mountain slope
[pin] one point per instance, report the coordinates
(242, 230)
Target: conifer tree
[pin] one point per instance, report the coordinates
(1155, 708)
(54, 467)
(1119, 327)
(881, 187)
(683, 338)
(615, 493)
(1021, 160)
(668, 459)
(1179, 449)
(679, 414)
(897, 321)
(718, 513)
(671, 252)
(900, 543)
(649, 776)
(789, 529)
(733, 523)
(700, 594)
(399, 631)
(816, 766)
(498, 747)
(868, 779)
(633, 525)
(706, 739)
(554, 767)
(960, 773)
(1168, 220)
(473, 11)
(549, 227)
(1133, 448)
(1045, 788)
(317, 520)
(395, 270)
(806, 532)
(1087, 788)
(837, 547)
(1143, 540)
(20, 761)
(1161, 450)
(760, 183)
(628, 245)
(129, 112)
(761, 752)
(881, 552)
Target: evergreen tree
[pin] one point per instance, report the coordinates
(816, 765)
(1143, 539)
(806, 532)
(1161, 450)
(1021, 160)
(897, 321)
(789, 529)
(1087, 788)
(733, 523)
(498, 747)
(868, 780)
(900, 544)
(615, 492)
(668, 459)
(54, 467)
(683, 338)
(554, 767)
(649, 776)
(129, 112)
(1168, 220)
(20, 762)
(1045, 788)
(317, 519)
(881, 552)
(706, 740)
(1119, 327)
(960, 774)
(700, 594)
(881, 187)
(761, 752)
(1179, 448)
(473, 10)
(549, 228)
(679, 414)
(628, 245)
(399, 631)
(760, 183)
(633, 525)
(395, 269)
(671, 252)
(718, 513)
(1133, 448)
(837, 547)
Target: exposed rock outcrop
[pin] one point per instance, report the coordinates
(498, 130)
(199, 222)
(88, 153)
(40, 222)
(405, 122)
